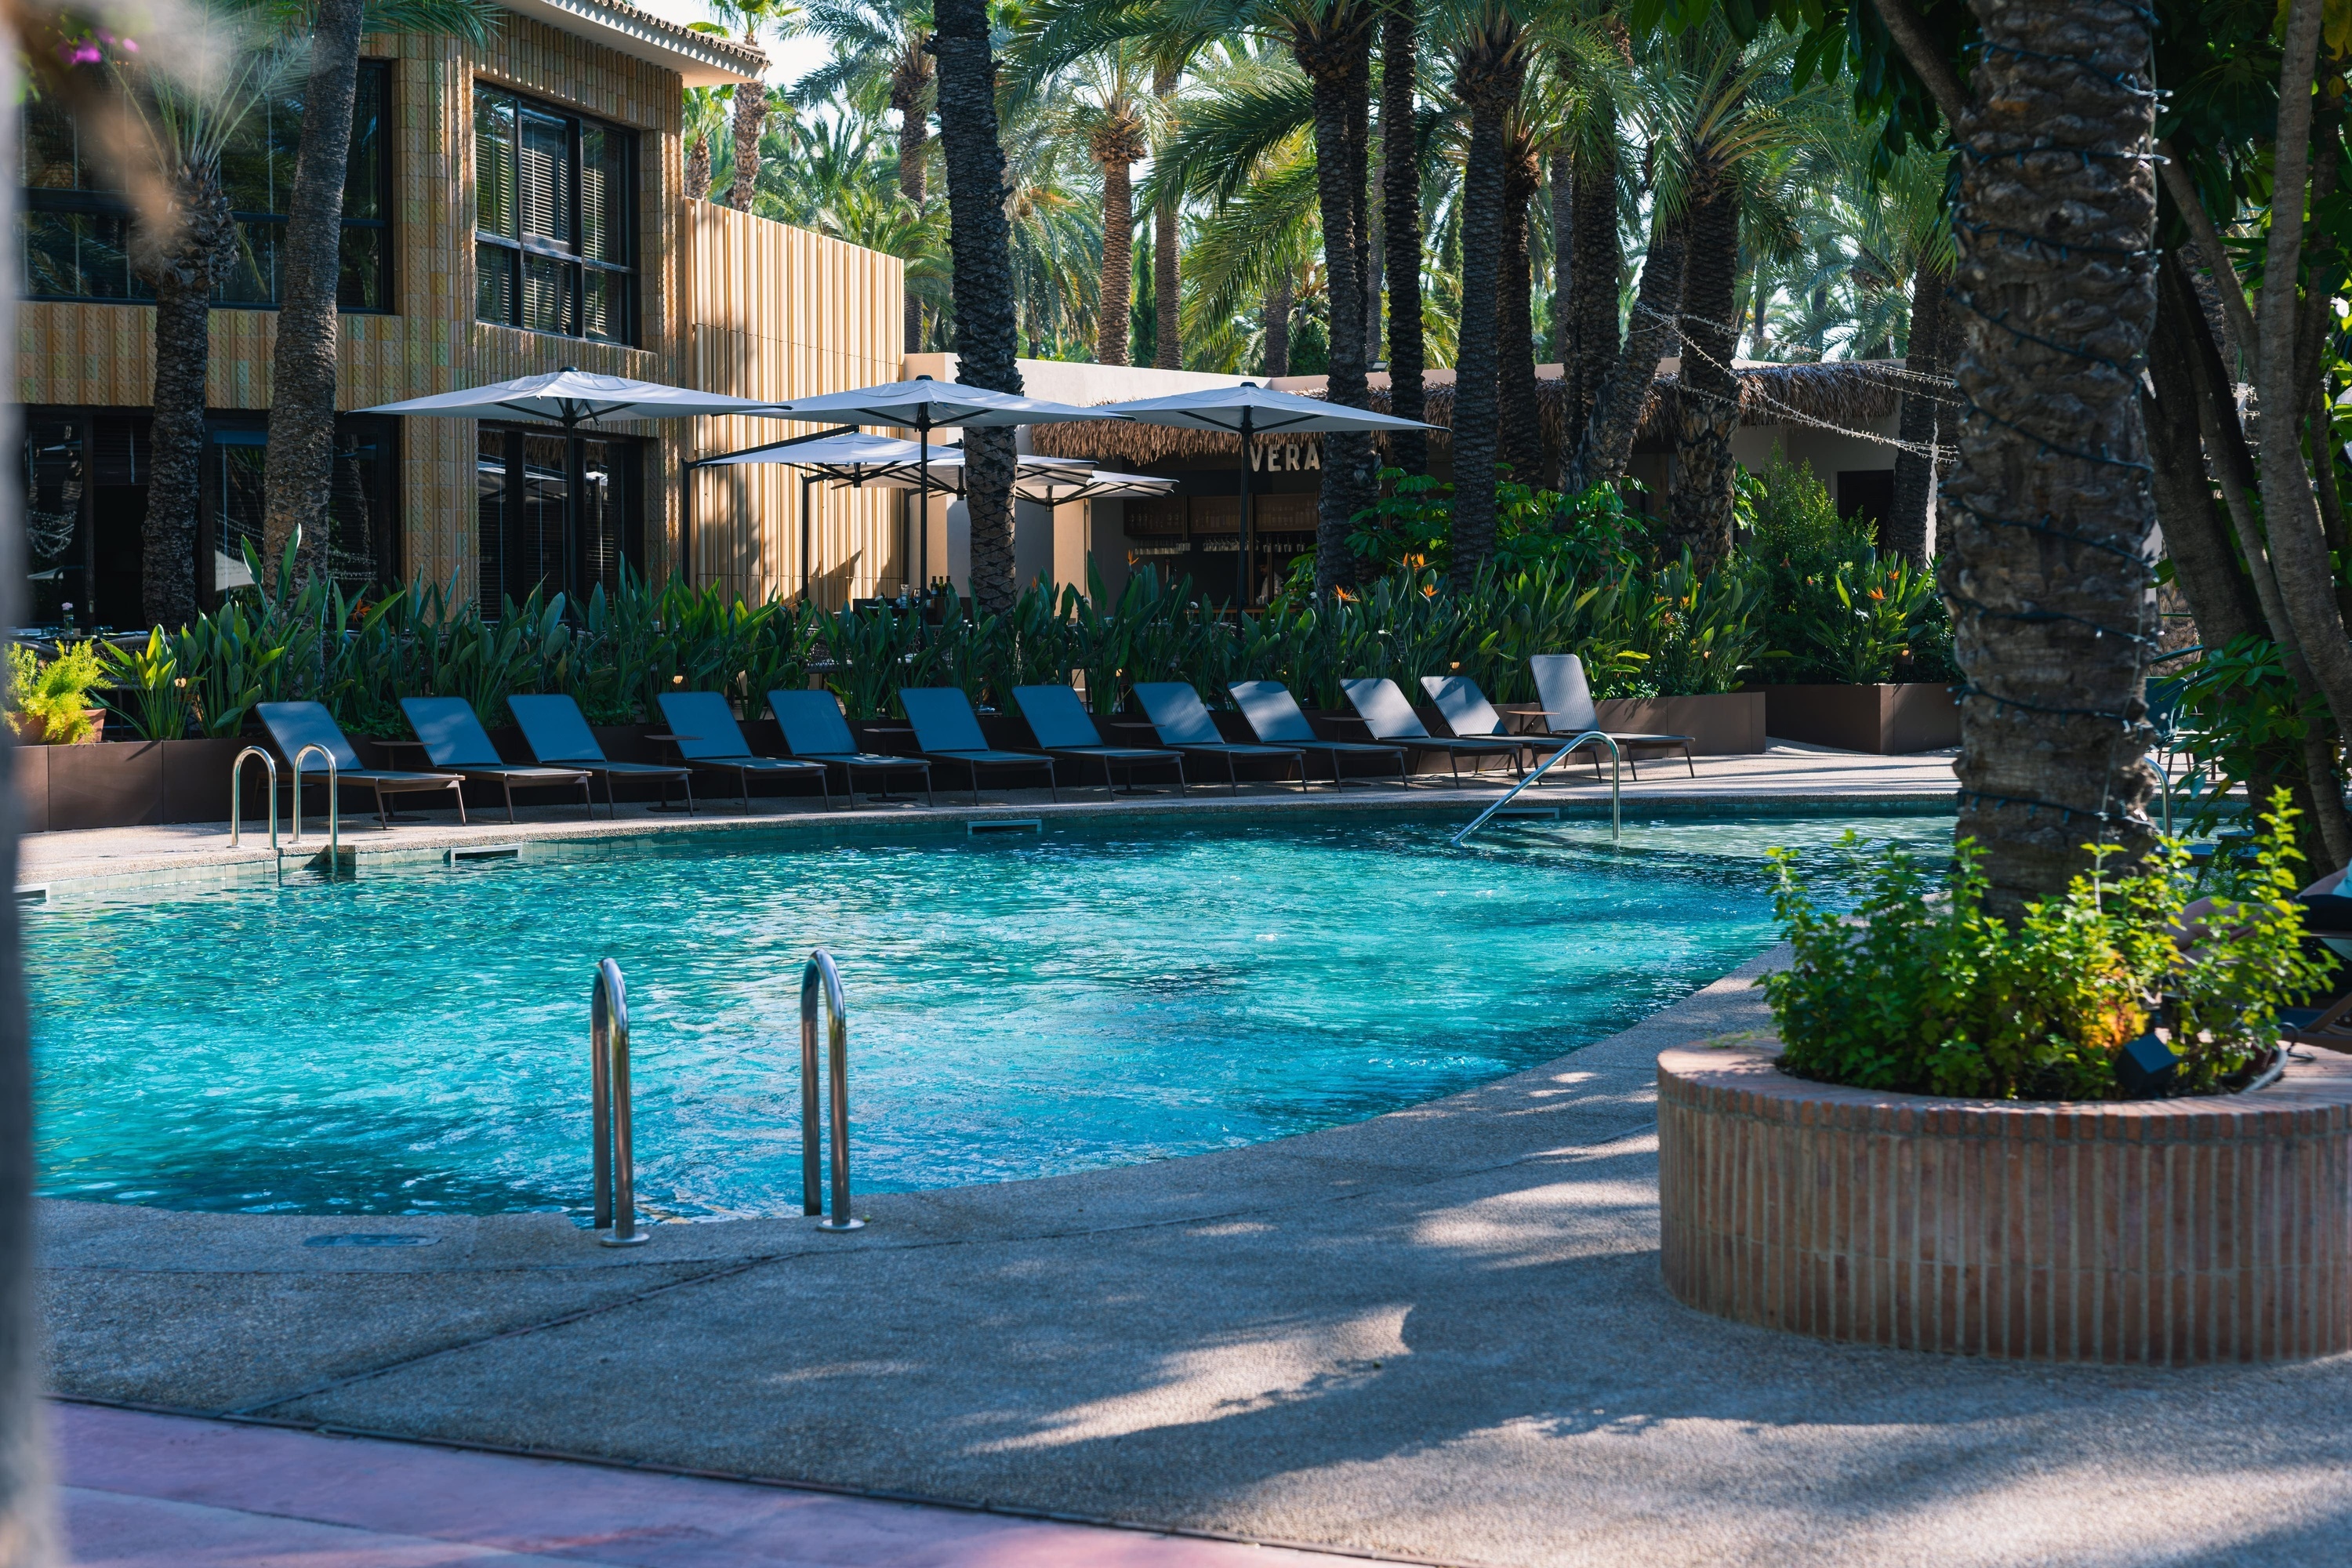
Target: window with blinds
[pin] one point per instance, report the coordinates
(555, 224)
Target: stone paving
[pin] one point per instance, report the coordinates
(1439, 1335)
(1786, 776)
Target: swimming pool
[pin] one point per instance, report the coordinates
(414, 1041)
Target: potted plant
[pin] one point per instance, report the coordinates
(2074, 1135)
(49, 701)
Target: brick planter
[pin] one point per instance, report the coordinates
(2210, 1229)
(1890, 720)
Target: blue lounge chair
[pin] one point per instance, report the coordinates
(555, 731)
(816, 730)
(1469, 714)
(948, 730)
(294, 725)
(1063, 728)
(703, 729)
(1182, 719)
(456, 743)
(1567, 712)
(1390, 717)
(1275, 716)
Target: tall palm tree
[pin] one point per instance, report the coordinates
(981, 242)
(298, 464)
(705, 122)
(882, 44)
(1489, 57)
(756, 19)
(181, 116)
(1402, 167)
(1106, 102)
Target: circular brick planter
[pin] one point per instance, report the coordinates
(2209, 1229)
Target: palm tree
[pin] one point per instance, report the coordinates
(1489, 47)
(1104, 102)
(882, 43)
(1401, 166)
(299, 460)
(181, 116)
(705, 121)
(980, 241)
(755, 18)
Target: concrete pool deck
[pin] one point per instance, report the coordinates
(1786, 777)
(1439, 1335)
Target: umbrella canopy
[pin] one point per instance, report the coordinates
(922, 405)
(860, 459)
(925, 403)
(1097, 484)
(1249, 410)
(572, 397)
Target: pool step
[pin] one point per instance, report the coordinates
(1531, 813)
(481, 852)
(1004, 825)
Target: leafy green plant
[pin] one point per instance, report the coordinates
(1835, 610)
(52, 697)
(1919, 990)
(150, 695)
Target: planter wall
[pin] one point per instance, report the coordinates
(1889, 720)
(1730, 723)
(2210, 1229)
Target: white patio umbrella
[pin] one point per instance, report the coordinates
(1249, 410)
(924, 404)
(572, 397)
(849, 457)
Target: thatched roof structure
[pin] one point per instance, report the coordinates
(1849, 393)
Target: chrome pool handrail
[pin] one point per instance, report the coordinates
(613, 1134)
(334, 803)
(1616, 807)
(236, 794)
(822, 975)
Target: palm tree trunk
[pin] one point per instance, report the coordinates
(2050, 505)
(1520, 420)
(1401, 223)
(1606, 443)
(300, 461)
(1376, 256)
(1489, 93)
(1563, 255)
(1336, 54)
(1909, 532)
(1706, 404)
(1115, 296)
(181, 268)
(1167, 280)
(981, 250)
(1596, 274)
(698, 168)
(750, 115)
(1277, 328)
(914, 175)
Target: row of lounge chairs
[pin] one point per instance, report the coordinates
(703, 729)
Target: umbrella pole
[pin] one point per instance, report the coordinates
(923, 523)
(1248, 582)
(808, 567)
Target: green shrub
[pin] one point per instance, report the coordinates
(53, 697)
(1918, 990)
(1836, 611)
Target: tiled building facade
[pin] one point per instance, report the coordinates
(721, 301)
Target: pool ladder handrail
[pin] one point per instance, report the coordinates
(236, 794)
(334, 803)
(821, 975)
(615, 1157)
(1616, 805)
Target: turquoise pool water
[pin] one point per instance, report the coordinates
(414, 1041)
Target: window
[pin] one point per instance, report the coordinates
(73, 226)
(555, 220)
(558, 513)
(86, 473)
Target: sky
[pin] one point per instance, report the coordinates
(789, 60)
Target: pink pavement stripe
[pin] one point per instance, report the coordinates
(170, 1491)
